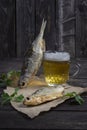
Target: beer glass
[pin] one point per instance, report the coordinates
(56, 66)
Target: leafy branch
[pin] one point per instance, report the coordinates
(77, 97)
(6, 98)
(8, 78)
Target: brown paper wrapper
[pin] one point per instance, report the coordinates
(35, 84)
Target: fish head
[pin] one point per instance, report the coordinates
(22, 83)
(28, 101)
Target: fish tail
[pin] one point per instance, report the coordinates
(43, 27)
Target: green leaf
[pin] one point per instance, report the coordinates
(13, 73)
(4, 95)
(77, 97)
(5, 81)
(8, 81)
(69, 94)
(10, 73)
(16, 89)
(8, 78)
(5, 98)
(3, 76)
(19, 98)
(15, 92)
(5, 101)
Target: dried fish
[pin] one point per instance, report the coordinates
(43, 95)
(33, 58)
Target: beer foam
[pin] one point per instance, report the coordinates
(57, 56)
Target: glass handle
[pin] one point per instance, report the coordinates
(77, 65)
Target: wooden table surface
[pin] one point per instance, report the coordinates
(68, 115)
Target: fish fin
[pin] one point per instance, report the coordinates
(43, 27)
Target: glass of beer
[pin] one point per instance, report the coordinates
(56, 66)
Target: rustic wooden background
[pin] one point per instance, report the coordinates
(20, 22)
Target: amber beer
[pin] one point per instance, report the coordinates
(56, 67)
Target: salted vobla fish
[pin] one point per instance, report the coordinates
(43, 95)
(33, 58)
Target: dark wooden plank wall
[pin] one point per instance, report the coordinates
(7, 29)
(30, 14)
(46, 9)
(60, 30)
(66, 25)
(68, 22)
(81, 28)
(74, 22)
(25, 22)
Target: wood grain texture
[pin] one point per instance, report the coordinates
(25, 25)
(49, 120)
(21, 21)
(7, 29)
(81, 30)
(60, 25)
(46, 9)
(68, 23)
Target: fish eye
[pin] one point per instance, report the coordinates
(23, 83)
(27, 98)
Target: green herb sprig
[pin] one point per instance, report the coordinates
(6, 98)
(6, 79)
(77, 97)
